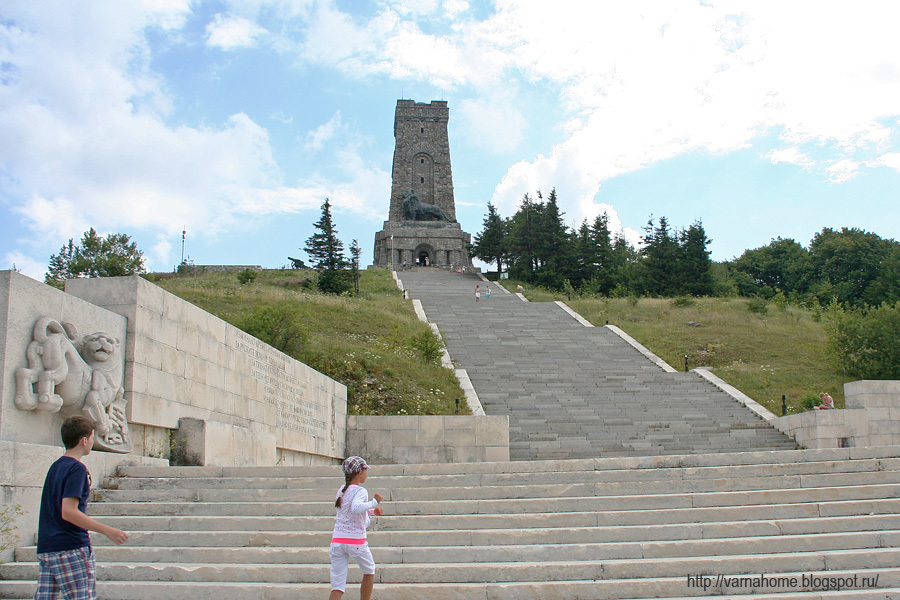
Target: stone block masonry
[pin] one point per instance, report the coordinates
(418, 439)
(29, 440)
(182, 362)
(429, 236)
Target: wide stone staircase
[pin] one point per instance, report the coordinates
(763, 525)
(573, 391)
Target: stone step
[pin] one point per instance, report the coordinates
(535, 360)
(474, 572)
(802, 521)
(468, 487)
(475, 500)
(789, 458)
(529, 552)
(387, 523)
(878, 582)
(548, 529)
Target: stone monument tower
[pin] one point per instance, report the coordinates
(421, 227)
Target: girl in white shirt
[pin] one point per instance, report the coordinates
(349, 537)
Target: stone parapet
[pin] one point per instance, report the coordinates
(428, 439)
(871, 418)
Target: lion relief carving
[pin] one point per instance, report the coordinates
(73, 375)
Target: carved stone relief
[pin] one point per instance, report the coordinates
(76, 376)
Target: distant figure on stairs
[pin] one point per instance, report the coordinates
(477, 293)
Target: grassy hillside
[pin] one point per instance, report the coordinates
(373, 343)
(782, 351)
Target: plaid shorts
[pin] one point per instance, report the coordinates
(70, 573)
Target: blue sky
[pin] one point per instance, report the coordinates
(235, 119)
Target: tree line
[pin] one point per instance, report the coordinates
(852, 266)
(536, 246)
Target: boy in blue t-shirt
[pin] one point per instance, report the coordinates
(67, 564)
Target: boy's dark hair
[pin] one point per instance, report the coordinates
(73, 429)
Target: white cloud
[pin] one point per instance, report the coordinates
(452, 8)
(86, 124)
(790, 155)
(891, 159)
(496, 125)
(317, 138)
(86, 143)
(648, 84)
(842, 170)
(358, 188)
(230, 32)
(53, 220)
(160, 253)
(25, 265)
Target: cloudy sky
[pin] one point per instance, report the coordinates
(234, 120)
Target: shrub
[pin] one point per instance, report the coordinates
(620, 291)
(683, 301)
(863, 341)
(427, 346)
(758, 305)
(8, 514)
(278, 324)
(809, 402)
(247, 276)
(335, 282)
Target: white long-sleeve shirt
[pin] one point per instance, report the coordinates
(353, 514)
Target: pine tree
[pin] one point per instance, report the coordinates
(354, 264)
(695, 270)
(605, 269)
(522, 239)
(60, 267)
(490, 244)
(587, 259)
(326, 252)
(113, 256)
(660, 264)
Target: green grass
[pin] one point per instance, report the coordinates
(764, 355)
(372, 343)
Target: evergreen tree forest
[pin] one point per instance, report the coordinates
(850, 267)
(537, 247)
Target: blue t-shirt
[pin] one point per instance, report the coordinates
(67, 478)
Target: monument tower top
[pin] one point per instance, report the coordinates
(421, 228)
(422, 157)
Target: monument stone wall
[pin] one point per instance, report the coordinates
(29, 439)
(182, 362)
(160, 378)
(422, 226)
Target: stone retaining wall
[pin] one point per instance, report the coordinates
(871, 417)
(428, 439)
(261, 406)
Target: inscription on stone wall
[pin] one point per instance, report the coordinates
(281, 388)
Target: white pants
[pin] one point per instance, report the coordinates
(340, 560)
